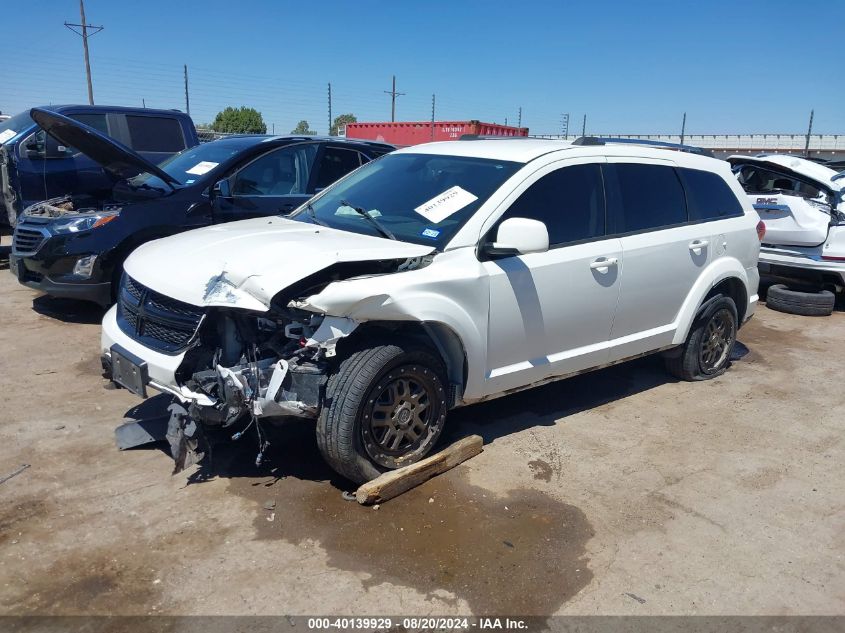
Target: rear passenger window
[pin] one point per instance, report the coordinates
(644, 197)
(96, 121)
(569, 201)
(335, 164)
(155, 134)
(708, 196)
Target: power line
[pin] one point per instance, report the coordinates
(85, 35)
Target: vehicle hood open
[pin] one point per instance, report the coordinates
(117, 159)
(801, 167)
(245, 264)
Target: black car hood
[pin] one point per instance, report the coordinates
(115, 158)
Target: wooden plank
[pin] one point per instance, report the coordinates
(394, 482)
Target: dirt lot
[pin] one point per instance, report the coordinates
(617, 492)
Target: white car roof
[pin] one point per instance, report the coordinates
(800, 166)
(524, 150)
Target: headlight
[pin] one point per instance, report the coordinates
(75, 224)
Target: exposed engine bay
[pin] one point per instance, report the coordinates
(71, 205)
(256, 365)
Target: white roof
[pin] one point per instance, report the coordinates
(523, 150)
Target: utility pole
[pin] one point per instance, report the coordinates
(393, 94)
(683, 127)
(330, 109)
(143, 103)
(187, 100)
(519, 121)
(584, 126)
(809, 132)
(432, 117)
(85, 35)
(564, 125)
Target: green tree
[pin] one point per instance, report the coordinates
(241, 120)
(303, 129)
(341, 122)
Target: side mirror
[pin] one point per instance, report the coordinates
(519, 236)
(222, 189)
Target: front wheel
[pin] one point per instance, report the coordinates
(707, 350)
(385, 407)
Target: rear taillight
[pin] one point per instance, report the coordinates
(761, 230)
(831, 258)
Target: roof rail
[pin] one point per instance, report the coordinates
(600, 140)
(489, 137)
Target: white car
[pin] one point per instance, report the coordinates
(438, 276)
(801, 203)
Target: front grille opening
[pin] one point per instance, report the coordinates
(27, 240)
(159, 322)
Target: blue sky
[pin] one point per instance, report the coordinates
(632, 67)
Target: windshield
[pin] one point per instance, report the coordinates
(188, 166)
(419, 198)
(14, 126)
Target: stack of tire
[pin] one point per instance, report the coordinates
(798, 300)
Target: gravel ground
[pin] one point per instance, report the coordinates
(617, 492)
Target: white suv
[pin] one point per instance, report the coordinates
(803, 206)
(438, 276)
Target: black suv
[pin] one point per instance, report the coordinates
(74, 246)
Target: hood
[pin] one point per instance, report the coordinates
(115, 158)
(245, 264)
(802, 167)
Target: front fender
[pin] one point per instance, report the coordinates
(467, 319)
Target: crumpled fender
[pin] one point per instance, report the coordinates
(424, 296)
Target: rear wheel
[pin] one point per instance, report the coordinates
(385, 407)
(707, 350)
(802, 301)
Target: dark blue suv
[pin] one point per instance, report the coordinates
(75, 245)
(35, 166)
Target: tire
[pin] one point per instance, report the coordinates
(707, 351)
(356, 434)
(805, 302)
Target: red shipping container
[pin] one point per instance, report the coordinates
(416, 132)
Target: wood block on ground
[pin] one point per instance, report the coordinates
(395, 482)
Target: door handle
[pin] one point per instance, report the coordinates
(697, 245)
(605, 262)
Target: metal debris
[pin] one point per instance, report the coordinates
(14, 474)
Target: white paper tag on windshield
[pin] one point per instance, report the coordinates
(5, 135)
(441, 207)
(202, 168)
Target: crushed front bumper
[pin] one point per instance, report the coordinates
(286, 389)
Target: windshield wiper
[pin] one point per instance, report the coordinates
(310, 208)
(378, 225)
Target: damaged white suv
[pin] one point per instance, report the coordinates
(437, 276)
(802, 205)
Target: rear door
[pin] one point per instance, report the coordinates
(797, 211)
(664, 253)
(275, 183)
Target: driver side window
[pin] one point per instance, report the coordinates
(281, 172)
(569, 201)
